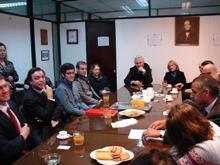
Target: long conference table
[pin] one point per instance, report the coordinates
(99, 133)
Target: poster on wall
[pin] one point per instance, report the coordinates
(45, 55)
(103, 41)
(187, 31)
(154, 39)
(216, 39)
(43, 37)
(72, 36)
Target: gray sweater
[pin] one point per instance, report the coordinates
(70, 99)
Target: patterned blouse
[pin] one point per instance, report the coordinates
(204, 153)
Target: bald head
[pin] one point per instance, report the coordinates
(209, 69)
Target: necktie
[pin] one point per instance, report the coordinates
(13, 120)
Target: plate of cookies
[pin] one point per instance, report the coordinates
(132, 113)
(111, 155)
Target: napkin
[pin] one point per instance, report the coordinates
(124, 123)
(136, 133)
(62, 147)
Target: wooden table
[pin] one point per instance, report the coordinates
(99, 133)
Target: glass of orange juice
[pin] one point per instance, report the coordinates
(78, 138)
(105, 98)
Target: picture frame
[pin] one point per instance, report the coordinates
(45, 55)
(43, 37)
(187, 31)
(72, 36)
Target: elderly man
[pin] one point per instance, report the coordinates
(67, 92)
(140, 74)
(13, 130)
(87, 93)
(40, 109)
(205, 94)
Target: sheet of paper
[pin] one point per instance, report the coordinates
(136, 133)
(62, 147)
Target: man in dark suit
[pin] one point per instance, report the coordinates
(205, 93)
(13, 130)
(140, 74)
(205, 97)
(40, 109)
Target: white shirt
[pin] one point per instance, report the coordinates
(4, 108)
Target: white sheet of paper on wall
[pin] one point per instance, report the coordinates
(154, 39)
(216, 39)
(103, 41)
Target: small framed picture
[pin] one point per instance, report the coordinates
(43, 37)
(45, 55)
(72, 36)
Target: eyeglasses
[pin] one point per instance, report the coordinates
(69, 73)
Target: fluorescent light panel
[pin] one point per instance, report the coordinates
(127, 9)
(15, 4)
(142, 3)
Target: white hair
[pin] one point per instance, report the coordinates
(138, 56)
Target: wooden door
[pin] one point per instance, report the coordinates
(105, 56)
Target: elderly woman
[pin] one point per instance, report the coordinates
(7, 69)
(174, 77)
(98, 81)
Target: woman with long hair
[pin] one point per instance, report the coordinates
(194, 138)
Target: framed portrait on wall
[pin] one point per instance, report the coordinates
(72, 36)
(187, 31)
(43, 37)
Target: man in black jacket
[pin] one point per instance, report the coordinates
(140, 74)
(40, 109)
(13, 130)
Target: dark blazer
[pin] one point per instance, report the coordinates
(134, 74)
(214, 114)
(99, 84)
(9, 70)
(11, 142)
(39, 111)
(179, 78)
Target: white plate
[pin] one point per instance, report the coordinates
(127, 111)
(173, 92)
(62, 137)
(111, 162)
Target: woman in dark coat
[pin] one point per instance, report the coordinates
(98, 81)
(174, 77)
(7, 69)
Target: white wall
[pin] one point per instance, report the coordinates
(73, 52)
(15, 34)
(47, 66)
(131, 40)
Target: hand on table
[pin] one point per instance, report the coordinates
(159, 124)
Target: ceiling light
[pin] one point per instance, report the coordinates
(127, 9)
(15, 4)
(186, 5)
(142, 3)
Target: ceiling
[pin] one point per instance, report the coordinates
(72, 10)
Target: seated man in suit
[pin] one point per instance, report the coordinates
(205, 94)
(40, 109)
(67, 92)
(87, 93)
(140, 74)
(13, 130)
